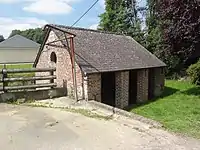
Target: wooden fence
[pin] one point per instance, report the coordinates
(9, 76)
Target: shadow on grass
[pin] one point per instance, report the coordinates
(167, 92)
(192, 91)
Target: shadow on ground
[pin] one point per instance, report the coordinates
(167, 92)
(192, 91)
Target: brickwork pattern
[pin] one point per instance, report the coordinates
(159, 81)
(63, 67)
(122, 89)
(93, 91)
(142, 85)
(92, 87)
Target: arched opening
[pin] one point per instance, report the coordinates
(53, 57)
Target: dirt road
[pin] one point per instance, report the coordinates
(30, 128)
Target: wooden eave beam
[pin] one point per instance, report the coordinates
(60, 40)
(51, 26)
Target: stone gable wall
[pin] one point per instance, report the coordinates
(63, 67)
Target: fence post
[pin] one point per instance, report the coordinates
(5, 75)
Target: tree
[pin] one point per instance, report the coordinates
(36, 35)
(154, 35)
(181, 31)
(1, 38)
(121, 16)
(15, 32)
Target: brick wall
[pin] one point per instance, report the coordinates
(92, 87)
(159, 81)
(122, 89)
(142, 85)
(63, 67)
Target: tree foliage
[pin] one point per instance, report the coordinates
(36, 35)
(152, 14)
(181, 30)
(194, 73)
(154, 35)
(121, 16)
(1, 38)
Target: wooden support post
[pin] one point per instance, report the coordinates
(51, 74)
(5, 75)
(73, 67)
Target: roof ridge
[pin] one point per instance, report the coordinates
(12, 40)
(86, 29)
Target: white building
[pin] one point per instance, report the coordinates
(18, 49)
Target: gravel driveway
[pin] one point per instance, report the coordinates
(30, 128)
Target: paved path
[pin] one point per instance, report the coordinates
(28, 128)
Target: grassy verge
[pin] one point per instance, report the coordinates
(178, 109)
(84, 112)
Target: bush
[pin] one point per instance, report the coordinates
(194, 73)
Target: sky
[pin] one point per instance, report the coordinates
(25, 14)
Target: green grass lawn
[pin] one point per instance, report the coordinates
(17, 66)
(178, 109)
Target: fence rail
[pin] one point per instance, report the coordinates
(27, 87)
(5, 80)
(27, 78)
(28, 70)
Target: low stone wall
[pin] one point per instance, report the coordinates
(116, 111)
(33, 95)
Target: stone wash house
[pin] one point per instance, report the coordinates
(112, 69)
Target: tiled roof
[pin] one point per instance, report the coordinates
(98, 51)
